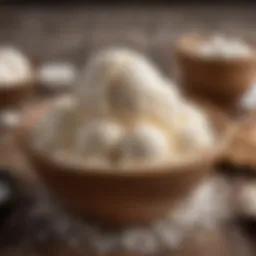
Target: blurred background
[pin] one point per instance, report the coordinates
(70, 32)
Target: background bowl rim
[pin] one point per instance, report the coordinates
(200, 37)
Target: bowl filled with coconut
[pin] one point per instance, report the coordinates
(219, 67)
(125, 147)
(17, 77)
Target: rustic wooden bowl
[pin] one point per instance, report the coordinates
(110, 196)
(13, 96)
(223, 81)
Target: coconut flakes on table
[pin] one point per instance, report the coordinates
(57, 76)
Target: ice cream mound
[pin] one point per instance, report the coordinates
(124, 112)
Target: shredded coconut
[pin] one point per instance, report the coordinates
(223, 47)
(248, 101)
(57, 76)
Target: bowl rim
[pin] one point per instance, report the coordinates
(25, 83)
(200, 37)
(24, 129)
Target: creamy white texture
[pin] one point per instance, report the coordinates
(98, 138)
(224, 47)
(248, 100)
(144, 141)
(57, 128)
(192, 128)
(122, 83)
(127, 112)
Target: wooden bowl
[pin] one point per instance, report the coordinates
(223, 81)
(113, 197)
(12, 96)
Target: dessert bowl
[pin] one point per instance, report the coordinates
(116, 197)
(12, 96)
(222, 80)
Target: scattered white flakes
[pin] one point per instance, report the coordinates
(224, 47)
(248, 101)
(246, 198)
(204, 208)
(141, 240)
(104, 243)
(57, 76)
(4, 192)
(9, 119)
(170, 234)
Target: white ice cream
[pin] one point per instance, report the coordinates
(56, 129)
(123, 83)
(193, 130)
(144, 142)
(98, 138)
(128, 111)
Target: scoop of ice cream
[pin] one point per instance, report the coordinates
(132, 96)
(248, 101)
(56, 129)
(144, 142)
(106, 63)
(98, 137)
(126, 112)
(193, 129)
(125, 84)
(14, 66)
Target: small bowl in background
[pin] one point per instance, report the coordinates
(13, 96)
(221, 80)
